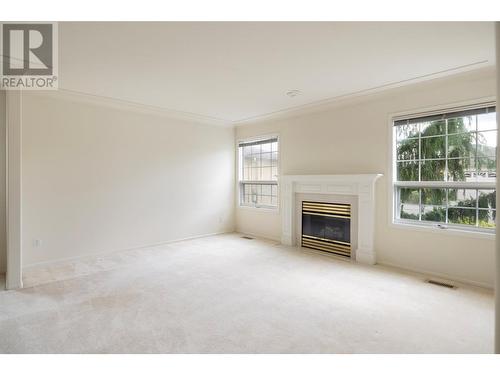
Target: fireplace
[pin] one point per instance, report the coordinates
(360, 188)
(327, 227)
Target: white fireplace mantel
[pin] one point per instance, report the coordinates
(360, 185)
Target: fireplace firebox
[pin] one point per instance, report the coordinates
(327, 227)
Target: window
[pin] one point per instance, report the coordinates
(445, 169)
(258, 173)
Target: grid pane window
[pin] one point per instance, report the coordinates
(446, 168)
(259, 173)
(467, 207)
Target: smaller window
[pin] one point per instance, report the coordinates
(258, 173)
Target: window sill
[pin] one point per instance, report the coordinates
(272, 210)
(450, 231)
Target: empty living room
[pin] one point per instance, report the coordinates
(241, 186)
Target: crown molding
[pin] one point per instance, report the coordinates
(316, 106)
(103, 101)
(325, 104)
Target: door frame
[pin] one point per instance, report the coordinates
(13, 177)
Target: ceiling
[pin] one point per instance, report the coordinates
(237, 71)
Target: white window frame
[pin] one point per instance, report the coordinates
(452, 229)
(271, 209)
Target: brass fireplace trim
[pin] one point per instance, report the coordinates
(337, 210)
(326, 247)
(329, 215)
(337, 242)
(327, 209)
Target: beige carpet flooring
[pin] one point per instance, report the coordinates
(225, 294)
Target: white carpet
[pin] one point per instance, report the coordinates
(225, 294)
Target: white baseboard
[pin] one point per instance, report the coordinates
(437, 274)
(107, 252)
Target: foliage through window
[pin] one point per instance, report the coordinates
(445, 169)
(258, 173)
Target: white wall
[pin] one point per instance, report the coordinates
(98, 178)
(3, 213)
(353, 137)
